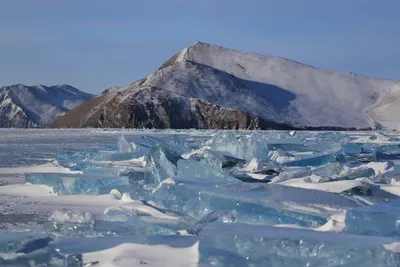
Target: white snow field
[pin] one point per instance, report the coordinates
(110, 197)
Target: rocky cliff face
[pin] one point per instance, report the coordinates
(36, 106)
(207, 86)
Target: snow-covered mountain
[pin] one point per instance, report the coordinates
(36, 106)
(273, 91)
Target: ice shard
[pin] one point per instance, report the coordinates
(124, 146)
(158, 166)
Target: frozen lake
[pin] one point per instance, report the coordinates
(97, 197)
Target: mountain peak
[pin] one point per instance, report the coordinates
(199, 43)
(183, 54)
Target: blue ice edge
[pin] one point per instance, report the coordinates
(70, 184)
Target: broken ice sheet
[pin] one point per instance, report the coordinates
(202, 191)
(254, 203)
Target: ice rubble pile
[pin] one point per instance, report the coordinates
(250, 198)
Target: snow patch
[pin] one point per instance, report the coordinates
(132, 255)
(52, 167)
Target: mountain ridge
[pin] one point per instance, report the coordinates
(287, 59)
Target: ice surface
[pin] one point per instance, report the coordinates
(228, 198)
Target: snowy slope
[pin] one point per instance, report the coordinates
(387, 111)
(322, 97)
(36, 106)
(271, 88)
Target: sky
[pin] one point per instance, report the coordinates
(97, 44)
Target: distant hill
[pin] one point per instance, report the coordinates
(24, 106)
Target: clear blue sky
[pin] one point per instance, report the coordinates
(96, 44)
